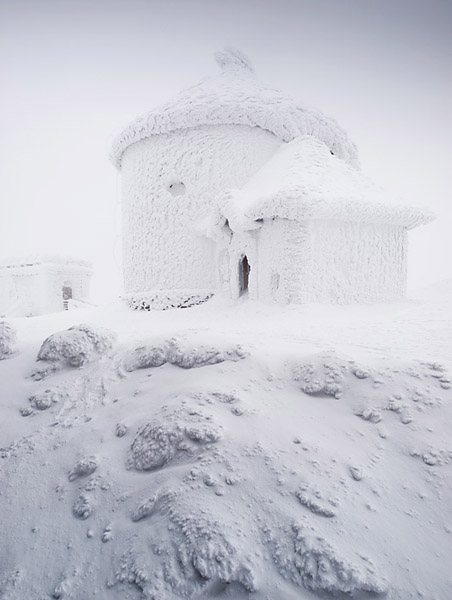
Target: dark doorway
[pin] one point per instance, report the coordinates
(67, 295)
(244, 275)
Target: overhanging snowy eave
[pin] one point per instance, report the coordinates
(353, 211)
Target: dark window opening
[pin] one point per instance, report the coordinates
(177, 188)
(244, 275)
(67, 295)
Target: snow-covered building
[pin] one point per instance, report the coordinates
(234, 187)
(39, 285)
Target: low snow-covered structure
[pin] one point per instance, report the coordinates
(234, 187)
(38, 285)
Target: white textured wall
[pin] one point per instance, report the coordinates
(332, 262)
(282, 263)
(162, 249)
(355, 263)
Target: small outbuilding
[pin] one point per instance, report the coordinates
(233, 187)
(39, 285)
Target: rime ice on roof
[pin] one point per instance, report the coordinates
(234, 187)
(303, 181)
(237, 97)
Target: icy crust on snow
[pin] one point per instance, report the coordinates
(236, 97)
(304, 181)
(76, 346)
(8, 339)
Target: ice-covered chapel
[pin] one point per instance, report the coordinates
(233, 187)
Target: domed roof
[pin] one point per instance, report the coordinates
(237, 97)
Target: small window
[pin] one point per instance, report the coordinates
(176, 188)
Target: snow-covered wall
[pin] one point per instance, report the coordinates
(169, 183)
(282, 260)
(30, 289)
(355, 262)
(327, 261)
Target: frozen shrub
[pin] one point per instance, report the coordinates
(201, 356)
(82, 508)
(154, 445)
(144, 509)
(204, 434)
(323, 376)
(44, 400)
(186, 358)
(121, 430)
(7, 339)
(76, 345)
(83, 467)
(145, 357)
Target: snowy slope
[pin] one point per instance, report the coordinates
(230, 450)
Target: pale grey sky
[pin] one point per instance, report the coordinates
(74, 72)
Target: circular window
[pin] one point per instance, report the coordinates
(176, 188)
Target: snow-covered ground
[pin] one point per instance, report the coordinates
(228, 450)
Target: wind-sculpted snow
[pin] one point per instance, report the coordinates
(77, 345)
(270, 477)
(7, 339)
(145, 357)
(308, 560)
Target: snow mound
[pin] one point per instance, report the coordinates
(145, 357)
(7, 339)
(285, 476)
(159, 442)
(77, 345)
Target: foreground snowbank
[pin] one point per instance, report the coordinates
(285, 469)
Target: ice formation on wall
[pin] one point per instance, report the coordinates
(37, 285)
(161, 242)
(234, 187)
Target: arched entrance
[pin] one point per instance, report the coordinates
(244, 275)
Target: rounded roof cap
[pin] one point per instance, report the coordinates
(237, 97)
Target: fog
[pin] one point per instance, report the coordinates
(74, 73)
